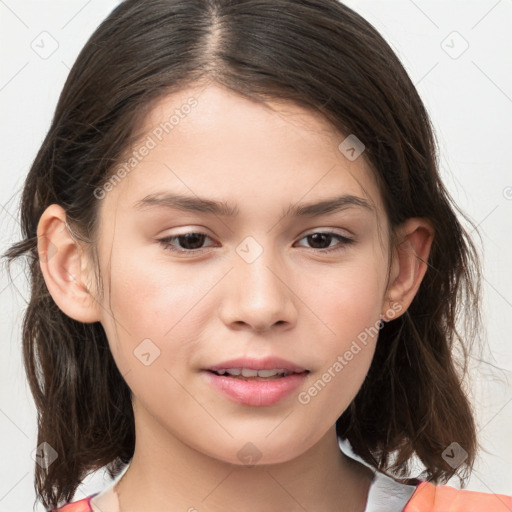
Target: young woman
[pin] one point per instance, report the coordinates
(242, 256)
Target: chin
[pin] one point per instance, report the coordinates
(258, 450)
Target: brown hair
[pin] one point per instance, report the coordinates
(316, 53)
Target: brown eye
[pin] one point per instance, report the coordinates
(187, 242)
(321, 241)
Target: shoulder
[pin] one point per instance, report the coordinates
(432, 498)
(77, 506)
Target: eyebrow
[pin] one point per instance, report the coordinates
(224, 209)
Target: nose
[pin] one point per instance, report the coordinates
(258, 295)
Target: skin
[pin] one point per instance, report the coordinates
(293, 301)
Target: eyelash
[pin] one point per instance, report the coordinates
(344, 241)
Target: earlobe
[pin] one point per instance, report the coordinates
(410, 260)
(61, 260)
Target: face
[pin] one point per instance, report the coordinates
(214, 260)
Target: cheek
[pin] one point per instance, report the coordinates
(159, 317)
(160, 302)
(349, 300)
(350, 303)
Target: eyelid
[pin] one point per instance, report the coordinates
(332, 231)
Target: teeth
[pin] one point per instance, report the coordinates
(270, 373)
(248, 372)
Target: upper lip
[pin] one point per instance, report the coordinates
(268, 363)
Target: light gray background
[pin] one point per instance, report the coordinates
(468, 93)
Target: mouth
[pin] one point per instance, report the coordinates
(252, 374)
(247, 368)
(256, 382)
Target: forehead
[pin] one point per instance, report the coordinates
(212, 142)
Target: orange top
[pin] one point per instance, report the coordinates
(78, 506)
(432, 498)
(426, 498)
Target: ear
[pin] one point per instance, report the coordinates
(408, 266)
(65, 267)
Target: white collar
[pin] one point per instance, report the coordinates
(385, 494)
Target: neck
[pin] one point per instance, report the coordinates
(174, 476)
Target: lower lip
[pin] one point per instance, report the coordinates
(256, 393)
